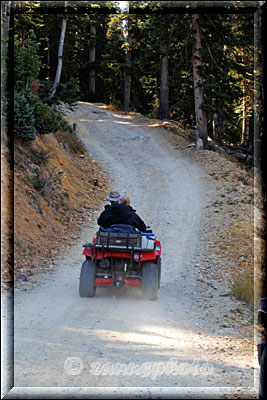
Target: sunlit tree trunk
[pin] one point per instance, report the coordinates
(92, 52)
(201, 118)
(127, 81)
(127, 73)
(245, 119)
(60, 57)
(7, 18)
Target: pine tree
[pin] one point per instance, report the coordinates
(201, 118)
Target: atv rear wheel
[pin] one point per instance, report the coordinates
(87, 279)
(150, 281)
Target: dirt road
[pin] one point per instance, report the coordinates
(164, 348)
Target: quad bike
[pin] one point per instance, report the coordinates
(119, 257)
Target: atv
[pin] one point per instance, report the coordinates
(120, 256)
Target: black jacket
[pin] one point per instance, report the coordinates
(120, 214)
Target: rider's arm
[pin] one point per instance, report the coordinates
(102, 220)
(139, 223)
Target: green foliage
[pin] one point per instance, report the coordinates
(150, 32)
(24, 119)
(112, 63)
(227, 55)
(48, 120)
(227, 68)
(44, 118)
(66, 92)
(31, 116)
(26, 62)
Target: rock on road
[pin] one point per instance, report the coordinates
(117, 339)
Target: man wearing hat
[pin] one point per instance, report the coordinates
(119, 213)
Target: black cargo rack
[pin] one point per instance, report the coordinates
(114, 247)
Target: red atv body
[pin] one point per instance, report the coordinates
(122, 259)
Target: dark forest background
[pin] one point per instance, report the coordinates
(156, 58)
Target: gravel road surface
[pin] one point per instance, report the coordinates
(76, 346)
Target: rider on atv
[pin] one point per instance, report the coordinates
(119, 255)
(118, 213)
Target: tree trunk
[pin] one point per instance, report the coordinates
(23, 34)
(127, 73)
(7, 17)
(48, 73)
(220, 126)
(245, 122)
(60, 56)
(164, 83)
(262, 29)
(245, 117)
(201, 118)
(92, 51)
(127, 81)
(164, 112)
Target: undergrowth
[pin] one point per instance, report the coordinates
(249, 252)
(70, 142)
(243, 287)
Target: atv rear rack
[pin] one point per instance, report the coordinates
(114, 247)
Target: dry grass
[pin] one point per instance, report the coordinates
(246, 283)
(243, 288)
(70, 142)
(111, 107)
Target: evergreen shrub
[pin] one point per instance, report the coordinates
(66, 92)
(24, 119)
(48, 120)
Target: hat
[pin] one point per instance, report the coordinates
(114, 196)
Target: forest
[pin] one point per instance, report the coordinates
(187, 62)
